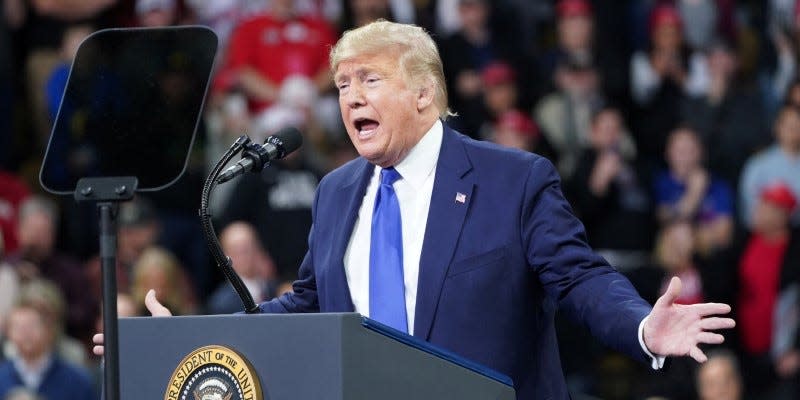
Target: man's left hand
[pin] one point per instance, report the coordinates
(677, 330)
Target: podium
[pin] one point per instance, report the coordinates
(333, 356)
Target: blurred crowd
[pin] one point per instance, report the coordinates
(675, 126)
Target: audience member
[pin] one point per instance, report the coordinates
(37, 257)
(578, 39)
(57, 81)
(575, 28)
(159, 270)
(729, 117)
(780, 162)
(565, 115)
(500, 90)
(661, 77)
(768, 262)
(46, 296)
(13, 191)
(515, 129)
(719, 378)
(687, 191)
(36, 365)
(266, 49)
(610, 195)
(465, 54)
(240, 242)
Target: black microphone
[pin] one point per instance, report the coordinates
(255, 157)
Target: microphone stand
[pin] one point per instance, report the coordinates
(223, 261)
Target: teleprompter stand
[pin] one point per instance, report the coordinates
(126, 124)
(107, 192)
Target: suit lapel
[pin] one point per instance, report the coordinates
(350, 195)
(452, 194)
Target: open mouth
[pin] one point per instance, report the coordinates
(365, 126)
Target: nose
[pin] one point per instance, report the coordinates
(354, 96)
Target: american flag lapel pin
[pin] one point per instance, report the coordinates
(461, 198)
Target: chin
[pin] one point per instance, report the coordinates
(369, 151)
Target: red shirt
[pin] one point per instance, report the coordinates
(759, 273)
(12, 193)
(277, 49)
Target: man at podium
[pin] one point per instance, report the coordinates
(464, 244)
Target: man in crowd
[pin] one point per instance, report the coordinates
(38, 257)
(240, 242)
(464, 244)
(36, 364)
(768, 266)
(780, 162)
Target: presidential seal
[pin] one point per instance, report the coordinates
(214, 373)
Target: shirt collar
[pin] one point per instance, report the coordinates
(32, 375)
(421, 159)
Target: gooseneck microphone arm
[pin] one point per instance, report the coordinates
(223, 261)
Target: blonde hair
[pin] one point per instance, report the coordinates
(418, 57)
(46, 298)
(156, 259)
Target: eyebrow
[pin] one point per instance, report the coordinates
(361, 72)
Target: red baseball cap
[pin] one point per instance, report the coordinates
(573, 8)
(665, 15)
(497, 73)
(780, 195)
(517, 121)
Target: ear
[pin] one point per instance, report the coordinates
(425, 96)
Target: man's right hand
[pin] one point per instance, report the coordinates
(156, 309)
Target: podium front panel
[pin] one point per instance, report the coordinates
(296, 356)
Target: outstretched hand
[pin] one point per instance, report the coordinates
(677, 330)
(156, 309)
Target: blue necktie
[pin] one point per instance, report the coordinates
(387, 302)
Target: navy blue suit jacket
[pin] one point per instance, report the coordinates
(493, 270)
(61, 381)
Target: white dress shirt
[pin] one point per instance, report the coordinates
(414, 192)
